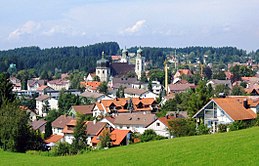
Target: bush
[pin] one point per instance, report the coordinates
(236, 125)
(222, 128)
(62, 149)
(202, 129)
(182, 127)
(150, 135)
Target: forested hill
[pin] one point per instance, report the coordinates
(64, 58)
(84, 58)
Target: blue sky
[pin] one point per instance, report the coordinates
(163, 23)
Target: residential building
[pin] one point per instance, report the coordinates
(34, 84)
(215, 82)
(43, 102)
(17, 86)
(227, 110)
(39, 125)
(90, 86)
(59, 124)
(178, 88)
(141, 93)
(68, 131)
(81, 109)
(59, 84)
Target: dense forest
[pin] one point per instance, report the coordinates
(66, 59)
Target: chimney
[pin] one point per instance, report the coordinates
(245, 103)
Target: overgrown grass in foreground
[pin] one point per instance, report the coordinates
(234, 148)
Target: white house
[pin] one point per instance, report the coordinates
(59, 124)
(59, 84)
(44, 101)
(160, 126)
(34, 84)
(132, 92)
(136, 122)
(68, 131)
(227, 110)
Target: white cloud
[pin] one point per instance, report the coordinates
(136, 27)
(28, 28)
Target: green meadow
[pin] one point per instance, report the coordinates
(233, 148)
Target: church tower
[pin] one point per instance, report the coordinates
(125, 56)
(139, 66)
(103, 69)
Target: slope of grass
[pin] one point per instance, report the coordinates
(234, 148)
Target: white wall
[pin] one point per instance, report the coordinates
(57, 131)
(69, 138)
(159, 128)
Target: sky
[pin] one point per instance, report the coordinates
(154, 23)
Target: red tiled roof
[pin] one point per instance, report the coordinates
(233, 106)
(165, 119)
(117, 136)
(69, 128)
(53, 138)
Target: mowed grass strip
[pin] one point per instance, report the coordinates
(233, 148)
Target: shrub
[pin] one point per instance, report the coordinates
(222, 128)
(150, 135)
(202, 129)
(182, 127)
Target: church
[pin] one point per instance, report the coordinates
(106, 70)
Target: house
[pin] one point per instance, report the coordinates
(59, 84)
(132, 92)
(43, 102)
(90, 77)
(126, 82)
(55, 93)
(160, 126)
(81, 109)
(227, 110)
(215, 82)
(43, 89)
(117, 137)
(34, 84)
(39, 125)
(90, 86)
(59, 124)
(253, 91)
(94, 129)
(156, 87)
(32, 114)
(178, 88)
(124, 105)
(136, 122)
(68, 131)
(17, 86)
(182, 72)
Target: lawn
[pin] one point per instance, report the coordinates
(234, 148)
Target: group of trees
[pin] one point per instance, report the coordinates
(15, 131)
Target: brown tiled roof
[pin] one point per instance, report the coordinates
(94, 129)
(41, 88)
(135, 91)
(134, 119)
(32, 82)
(91, 94)
(61, 121)
(234, 107)
(84, 109)
(121, 68)
(69, 128)
(36, 124)
(53, 138)
(42, 98)
(180, 87)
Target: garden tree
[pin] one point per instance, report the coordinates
(143, 77)
(207, 72)
(6, 89)
(103, 87)
(105, 139)
(120, 92)
(80, 135)
(96, 78)
(198, 99)
(46, 75)
(27, 102)
(243, 84)
(15, 133)
(180, 127)
(157, 75)
(46, 106)
(52, 115)
(149, 86)
(238, 91)
(220, 75)
(150, 135)
(24, 75)
(75, 78)
(66, 100)
(221, 88)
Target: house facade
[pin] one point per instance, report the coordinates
(227, 110)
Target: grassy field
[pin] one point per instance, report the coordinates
(234, 148)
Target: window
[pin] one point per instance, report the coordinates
(157, 124)
(103, 71)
